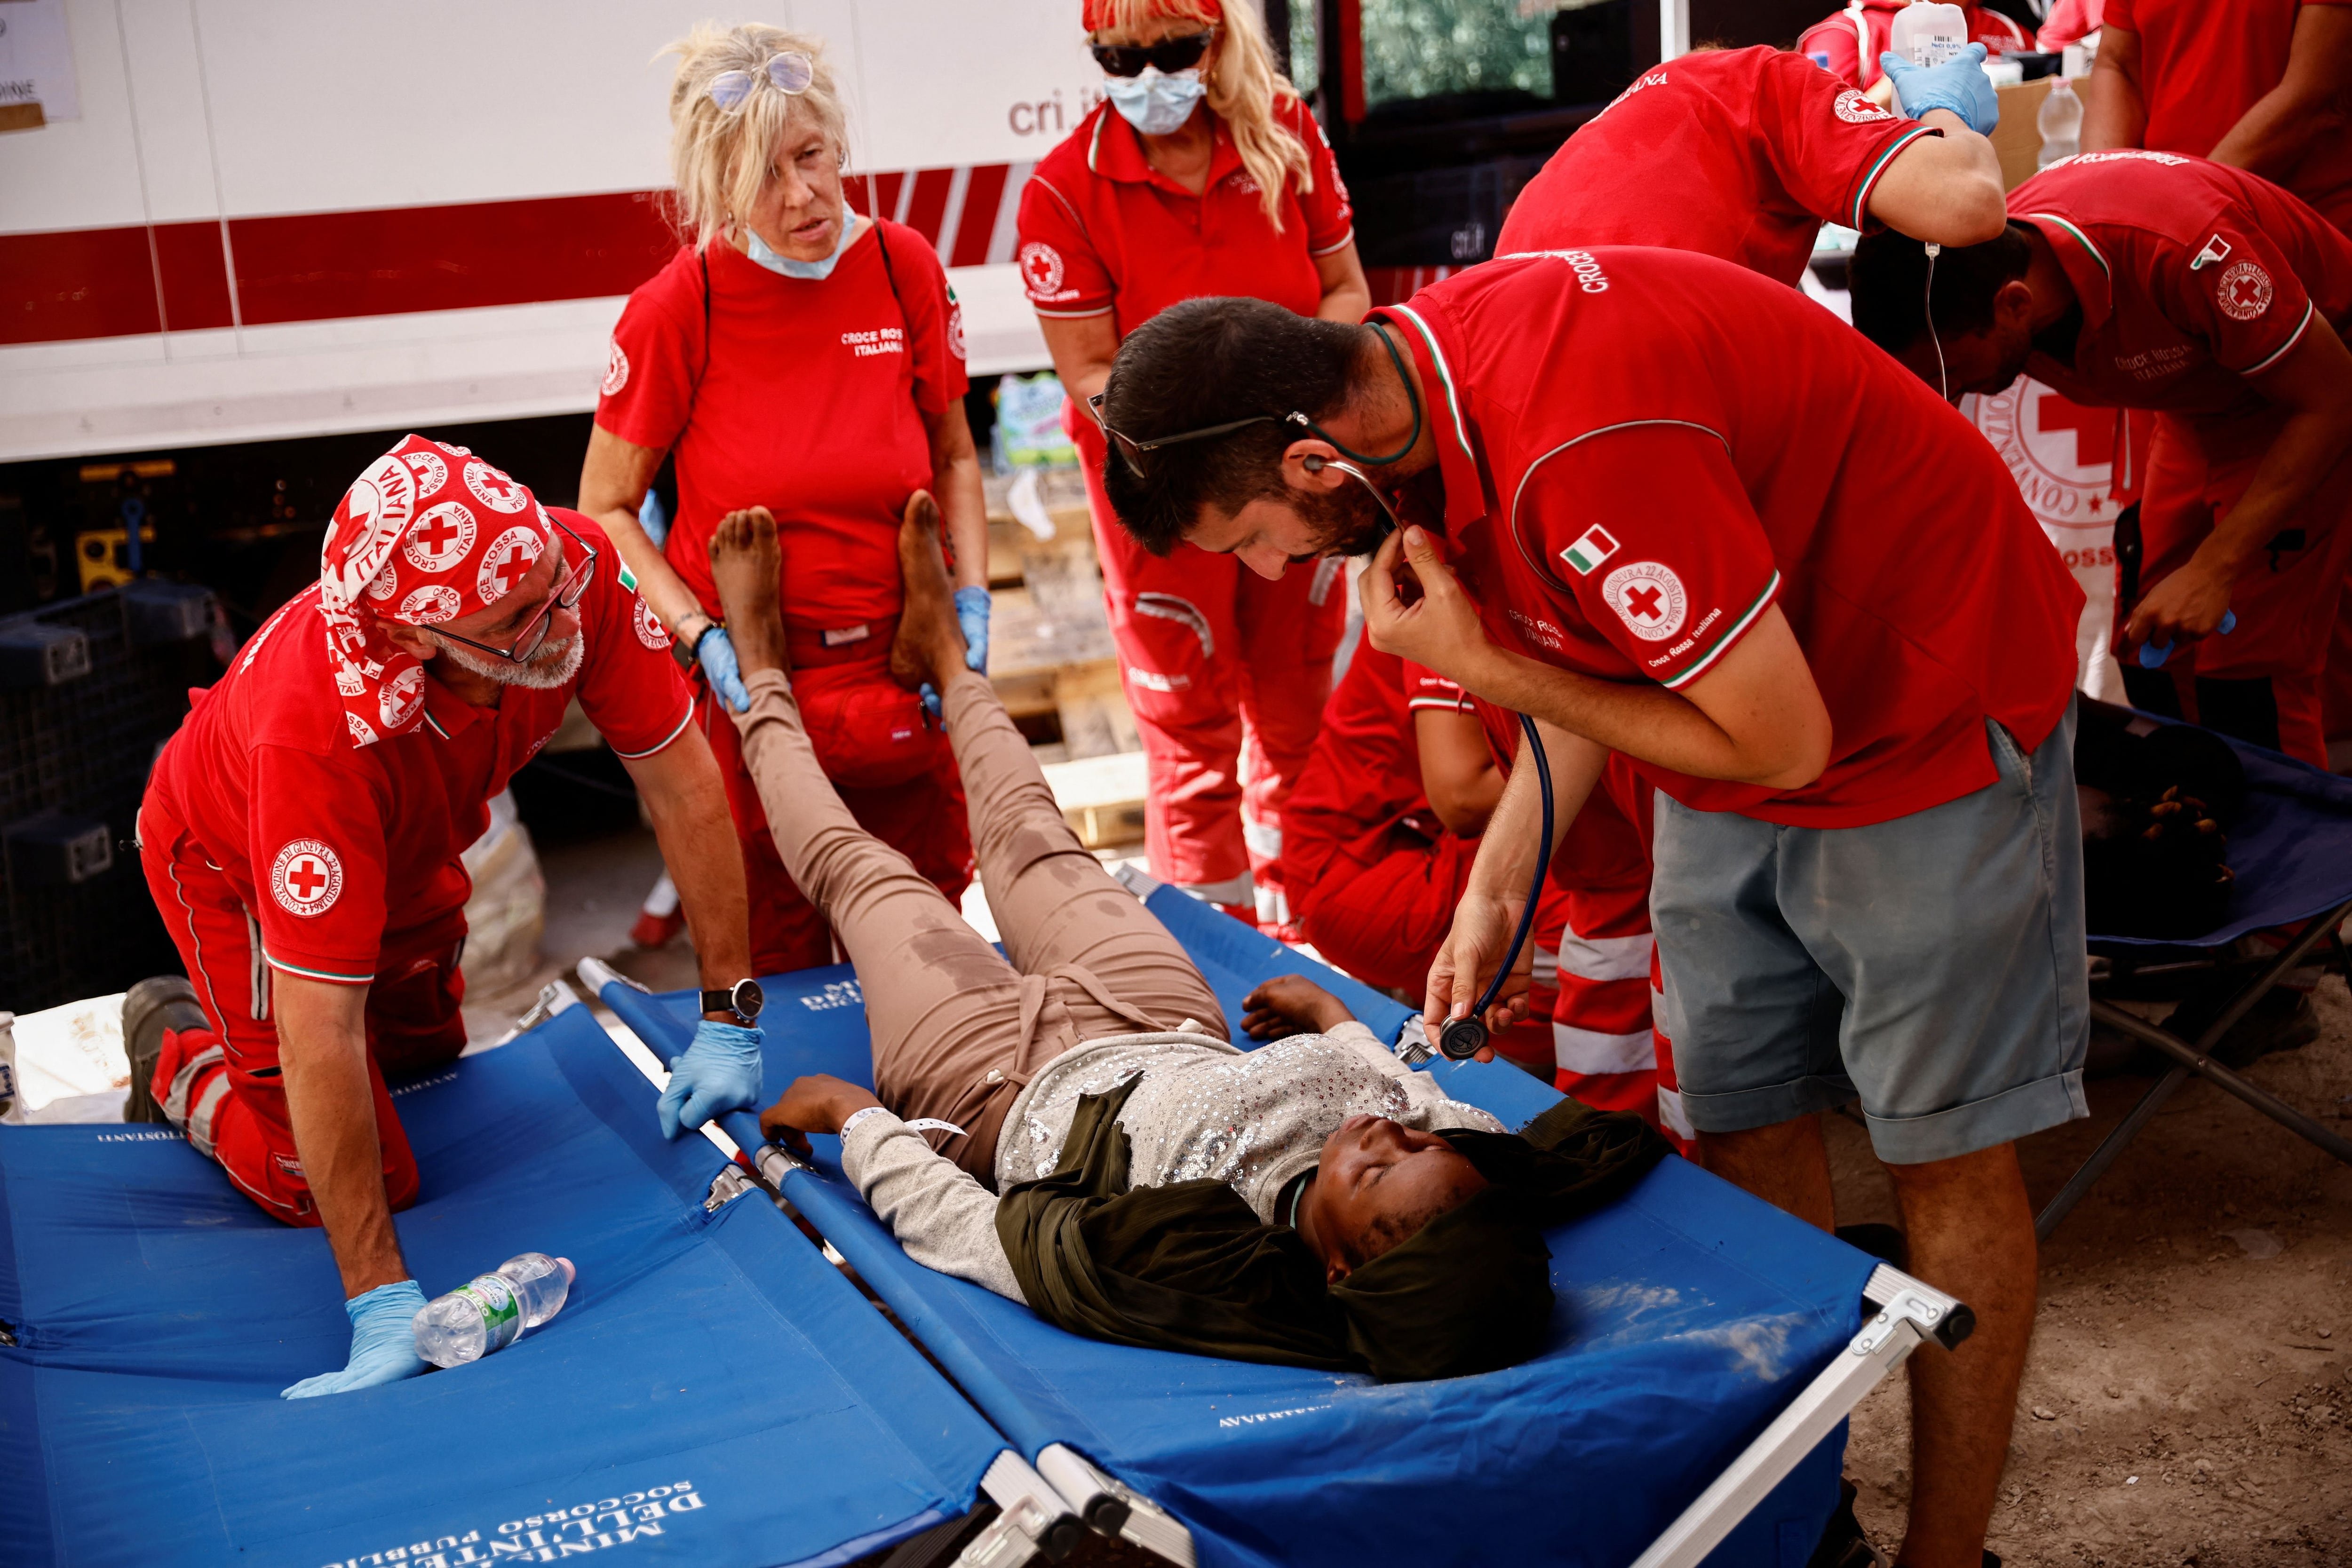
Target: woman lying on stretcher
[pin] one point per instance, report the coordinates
(1312, 1203)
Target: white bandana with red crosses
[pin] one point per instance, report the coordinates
(428, 533)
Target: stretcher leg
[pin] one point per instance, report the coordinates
(1910, 1312)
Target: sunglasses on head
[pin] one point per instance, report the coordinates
(789, 73)
(1171, 55)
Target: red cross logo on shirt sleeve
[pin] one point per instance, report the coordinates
(306, 877)
(1646, 602)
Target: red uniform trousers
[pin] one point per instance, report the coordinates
(2285, 604)
(1379, 906)
(1226, 675)
(887, 760)
(223, 1085)
(1594, 952)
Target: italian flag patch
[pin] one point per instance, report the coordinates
(1597, 545)
(628, 580)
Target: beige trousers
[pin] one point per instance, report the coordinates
(957, 1030)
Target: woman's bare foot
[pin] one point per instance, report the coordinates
(746, 565)
(930, 644)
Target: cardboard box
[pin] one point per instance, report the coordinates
(2017, 136)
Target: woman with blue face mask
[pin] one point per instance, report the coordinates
(1202, 172)
(799, 359)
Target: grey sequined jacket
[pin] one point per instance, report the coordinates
(1255, 1118)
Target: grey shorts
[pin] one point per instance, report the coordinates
(1932, 965)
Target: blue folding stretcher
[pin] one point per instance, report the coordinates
(713, 1393)
(2291, 851)
(1703, 1354)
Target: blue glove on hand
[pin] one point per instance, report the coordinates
(1960, 85)
(717, 656)
(720, 1073)
(384, 1343)
(971, 614)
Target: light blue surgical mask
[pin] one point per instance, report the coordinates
(1154, 104)
(812, 271)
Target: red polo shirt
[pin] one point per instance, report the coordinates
(1737, 153)
(2192, 277)
(2203, 65)
(806, 397)
(1102, 231)
(1364, 773)
(344, 852)
(1643, 449)
(1854, 37)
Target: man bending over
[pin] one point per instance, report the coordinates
(1313, 1202)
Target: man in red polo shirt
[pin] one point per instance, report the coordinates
(2262, 85)
(1850, 44)
(301, 834)
(1745, 153)
(1706, 526)
(2157, 281)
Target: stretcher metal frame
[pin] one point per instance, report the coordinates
(2195, 1057)
(1044, 1508)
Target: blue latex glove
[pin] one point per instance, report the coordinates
(384, 1343)
(717, 656)
(1959, 84)
(971, 614)
(2153, 655)
(720, 1073)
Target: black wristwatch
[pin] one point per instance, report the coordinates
(683, 649)
(743, 999)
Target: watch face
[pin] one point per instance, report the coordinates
(748, 999)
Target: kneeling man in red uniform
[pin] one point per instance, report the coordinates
(301, 834)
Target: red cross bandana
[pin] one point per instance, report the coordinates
(428, 533)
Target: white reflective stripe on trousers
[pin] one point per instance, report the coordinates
(1588, 1050)
(1606, 958)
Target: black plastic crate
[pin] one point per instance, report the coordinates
(74, 751)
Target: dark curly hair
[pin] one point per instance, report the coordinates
(1888, 282)
(1204, 363)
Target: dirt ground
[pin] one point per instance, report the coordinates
(2190, 1393)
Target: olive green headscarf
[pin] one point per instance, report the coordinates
(1190, 1267)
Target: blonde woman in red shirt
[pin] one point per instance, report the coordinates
(1202, 172)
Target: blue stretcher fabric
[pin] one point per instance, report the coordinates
(1690, 1314)
(2290, 850)
(713, 1392)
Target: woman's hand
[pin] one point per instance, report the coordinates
(1481, 934)
(1290, 1005)
(817, 1103)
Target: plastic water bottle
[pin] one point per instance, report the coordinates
(2061, 124)
(493, 1311)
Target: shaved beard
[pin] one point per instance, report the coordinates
(548, 668)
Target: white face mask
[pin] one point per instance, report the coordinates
(759, 250)
(1154, 104)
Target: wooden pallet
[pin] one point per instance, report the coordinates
(1101, 798)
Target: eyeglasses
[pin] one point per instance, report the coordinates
(531, 637)
(1203, 434)
(1171, 55)
(789, 73)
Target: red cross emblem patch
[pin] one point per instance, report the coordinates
(306, 877)
(1648, 597)
(2244, 291)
